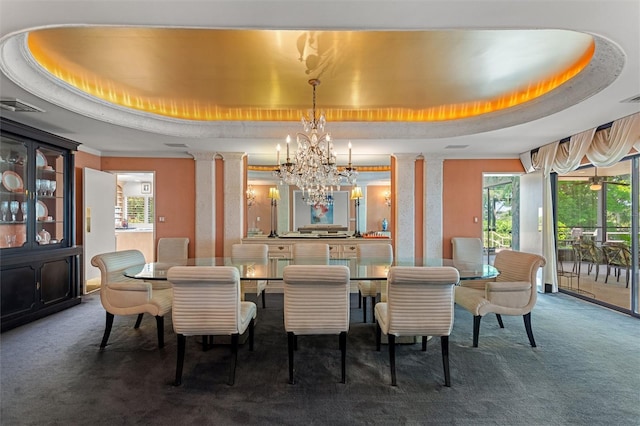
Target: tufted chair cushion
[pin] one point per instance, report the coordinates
(316, 299)
(206, 301)
(419, 301)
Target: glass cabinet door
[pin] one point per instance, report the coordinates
(14, 195)
(49, 196)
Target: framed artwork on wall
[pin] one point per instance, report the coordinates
(335, 214)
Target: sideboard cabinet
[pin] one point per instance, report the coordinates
(39, 261)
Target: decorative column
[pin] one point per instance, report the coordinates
(234, 199)
(433, 214)
(205, 204)
(405, 204)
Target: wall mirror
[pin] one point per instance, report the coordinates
(375, 207)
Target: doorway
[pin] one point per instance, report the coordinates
(134, 216)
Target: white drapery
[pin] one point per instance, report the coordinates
(602, 149)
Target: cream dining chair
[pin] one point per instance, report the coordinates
(255, 253)
(466, 251)
(173, 249)
(512, 292)
(206, 302)
(311, 253)
(419, 303)
(375, 253)
(316, 301)
(128, 296)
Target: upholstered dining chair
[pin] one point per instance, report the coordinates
(311, 253)
(466, 251)
(128, 296)
(255, 253)
(206, 302)
(419, 303)
(512, 292)
(316, 301)
(617, 256)
(375, 253)
(173, 249)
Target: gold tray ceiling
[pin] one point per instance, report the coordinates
(261, 75)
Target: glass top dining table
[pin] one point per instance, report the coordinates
(272, 269)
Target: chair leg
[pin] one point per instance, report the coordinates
(343, 355)
(251, 326)
(359, 299)
(180, 363)
(290, 345)
(444, 342)
(207, 343)
(499, 318)
(263, 300)
(373, 309)
(138, 321)
(107, 330)
(234, 358)
(527, 326)
(160, 326)
(476, 329)
(378, 336)
(364, 309)
(424, 343)
(392, 358)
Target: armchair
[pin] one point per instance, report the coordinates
(513, 292)
(127, 296)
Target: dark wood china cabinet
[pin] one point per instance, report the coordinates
(39, 262)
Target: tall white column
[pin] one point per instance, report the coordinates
(234, 199)
(405, 204)
(205, 203)
(433, 208)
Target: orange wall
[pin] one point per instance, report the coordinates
(376, 208)
(175, 192)
(261, 209)
(462, 196)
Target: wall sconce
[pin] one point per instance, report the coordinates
(251, 196)
(356, 194)
(387, 198)
(274, 196)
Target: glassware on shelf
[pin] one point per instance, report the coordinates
(52, 187)
(14, 206)
(4, 208)
(23, 207)
(10, 240)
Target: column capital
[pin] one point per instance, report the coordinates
(232, 156)
(405, 157)
(203, 155)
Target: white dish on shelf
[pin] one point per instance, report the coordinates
(41, 160)
(12, 181)
(41, 210)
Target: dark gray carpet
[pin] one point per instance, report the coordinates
(584, 371)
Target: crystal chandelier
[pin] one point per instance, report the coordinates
(313, 167)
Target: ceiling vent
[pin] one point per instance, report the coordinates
(177, 145)
(16, 105)
(456, 146)
(632, 100)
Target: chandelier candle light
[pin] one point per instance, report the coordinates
(274, 196)
(313, 167)
(356, 194)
